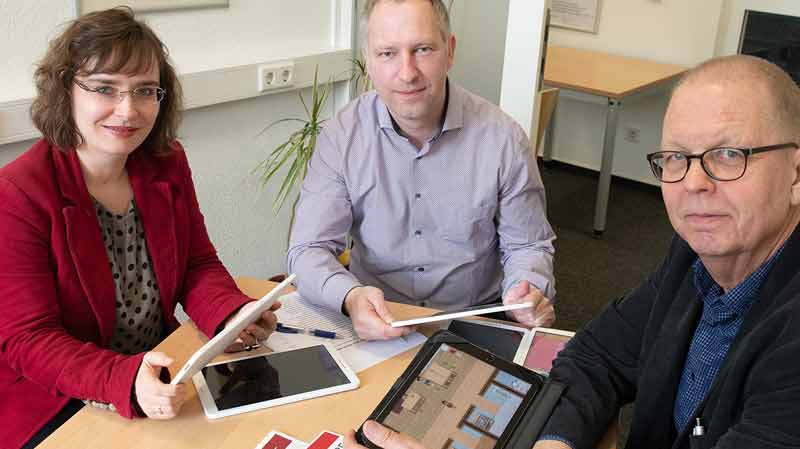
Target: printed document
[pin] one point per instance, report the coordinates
(359, 354)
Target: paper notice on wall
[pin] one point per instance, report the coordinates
(575, 14)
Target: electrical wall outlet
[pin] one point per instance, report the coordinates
(275, 76)
(632, 134)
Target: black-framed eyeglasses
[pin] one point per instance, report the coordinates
(721, 164)
(111, 94)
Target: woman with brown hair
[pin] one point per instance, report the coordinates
(102, 236)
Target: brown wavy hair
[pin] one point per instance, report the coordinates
(109, 41)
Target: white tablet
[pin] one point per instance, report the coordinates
(502, 339)
(253, 382)
(467, 311)
(222, 340)
(545, 346)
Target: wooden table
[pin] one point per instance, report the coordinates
(93, 428)
(613, 78)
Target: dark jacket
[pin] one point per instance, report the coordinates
(636, 349)
(57, 292)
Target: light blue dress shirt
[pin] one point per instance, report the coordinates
(454, 223)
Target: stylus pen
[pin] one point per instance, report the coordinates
(304, 330)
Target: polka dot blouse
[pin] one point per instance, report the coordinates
(139, 326)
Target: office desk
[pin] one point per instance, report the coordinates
(93, 428)
(609, 76)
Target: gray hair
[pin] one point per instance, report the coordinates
(439, 8)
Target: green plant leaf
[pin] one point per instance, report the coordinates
(276, 122)
(298, 148)
(359, 75)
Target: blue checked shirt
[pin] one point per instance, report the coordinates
(723, 314)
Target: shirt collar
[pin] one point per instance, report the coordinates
(384, 118)
(738, 299)
(453, 115)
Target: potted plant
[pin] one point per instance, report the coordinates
(299, 146)
(296, 150)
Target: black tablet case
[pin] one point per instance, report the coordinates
(527, 429)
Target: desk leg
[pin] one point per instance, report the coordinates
(604, 183)
(550, 134)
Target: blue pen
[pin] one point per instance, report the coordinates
(303, 330)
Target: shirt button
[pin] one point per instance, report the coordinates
(418, 196)
(418, 233)
(423, 304)
(420, 269)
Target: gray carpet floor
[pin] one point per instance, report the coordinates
(592, 271)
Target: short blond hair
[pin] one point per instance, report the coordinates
(439, 8)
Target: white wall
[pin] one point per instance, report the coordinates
(223, 146)
(669, 31)
(221, 140)
(10, 151)
(25, 29)
(480, 30)
(733, 14)
(246, 32)
(205, 39)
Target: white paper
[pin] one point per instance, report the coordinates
(368, 353)
(576, 14)
(358, 354)
(296, 311)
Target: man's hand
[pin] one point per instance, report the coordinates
(257, 331)
(542, 314)
(157, 399)
(370, 316)
(382, 437)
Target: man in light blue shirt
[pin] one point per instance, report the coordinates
(438, 188)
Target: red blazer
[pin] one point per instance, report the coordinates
(56, 289)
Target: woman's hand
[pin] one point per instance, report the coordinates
(257, 331)
(157, 399)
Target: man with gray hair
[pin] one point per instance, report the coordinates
(438, 188)
(707, 346)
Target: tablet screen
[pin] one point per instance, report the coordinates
(544, 349)
(458, 401)
(497, 340)
(272, 376)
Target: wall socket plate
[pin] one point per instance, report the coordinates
(632, 134)
(275, 76)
